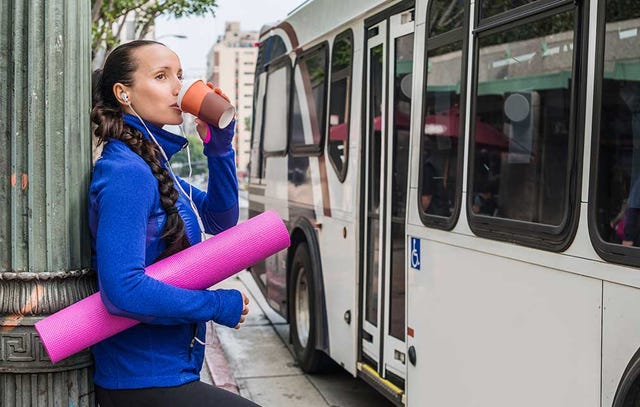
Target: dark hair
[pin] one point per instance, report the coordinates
(119, 67)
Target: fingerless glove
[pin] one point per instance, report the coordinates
(229, 309)
(218, 141)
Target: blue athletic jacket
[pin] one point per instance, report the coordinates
(126, 220)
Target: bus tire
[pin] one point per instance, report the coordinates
(303, 313)
(628, 393)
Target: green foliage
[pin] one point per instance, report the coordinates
(342, 52)
(445, 15)
(108, 16)
(557, 23)
(179, 161)
(493, 7)
(619, 10)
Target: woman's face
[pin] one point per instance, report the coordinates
(156, 83)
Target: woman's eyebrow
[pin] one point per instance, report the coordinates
(164, 68)
(161, 67)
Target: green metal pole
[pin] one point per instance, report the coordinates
(45, 160)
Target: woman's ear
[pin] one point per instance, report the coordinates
(121, 94)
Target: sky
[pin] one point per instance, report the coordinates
(202, 32)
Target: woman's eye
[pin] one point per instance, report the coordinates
(161, 76)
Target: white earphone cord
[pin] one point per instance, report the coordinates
(175, 179)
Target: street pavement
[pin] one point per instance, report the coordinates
(257, 362)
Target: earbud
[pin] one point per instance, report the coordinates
(125, 97)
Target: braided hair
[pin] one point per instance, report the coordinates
(119, 67)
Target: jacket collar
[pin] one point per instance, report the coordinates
(171, 143)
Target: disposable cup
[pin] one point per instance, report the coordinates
(200, 100)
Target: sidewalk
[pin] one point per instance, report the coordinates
(256, 362)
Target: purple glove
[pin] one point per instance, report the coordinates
(218, 141)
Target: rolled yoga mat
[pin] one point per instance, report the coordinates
(198, 267)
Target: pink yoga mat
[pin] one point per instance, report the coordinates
(88, 322)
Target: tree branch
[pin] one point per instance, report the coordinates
(96, 10)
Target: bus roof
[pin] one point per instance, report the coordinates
(314, 18)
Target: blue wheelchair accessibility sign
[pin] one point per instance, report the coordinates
(415, 253)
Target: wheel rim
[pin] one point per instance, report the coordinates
(302, 307)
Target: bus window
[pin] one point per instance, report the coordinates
(276, 107)
(617, 200)
(308, 99)
(440, 186)
(339, 101)
(445, 16)
(271, 49)
(492, 7)
(521, 134)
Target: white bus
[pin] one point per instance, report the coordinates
(458, 181)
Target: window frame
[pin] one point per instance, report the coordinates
(611, 252)
(431, 43)
(302, 150)
(342, 175)
(523, 11)
(283, 60)
(555, 238)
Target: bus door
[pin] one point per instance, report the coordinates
(388, 108)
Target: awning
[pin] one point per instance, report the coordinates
(625, 71)
(558, 80)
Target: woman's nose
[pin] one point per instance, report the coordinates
(176, 89)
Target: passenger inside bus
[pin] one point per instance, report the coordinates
(487, 173)
(631, 219)
(434, 190)
(484, 202)
(619, 195)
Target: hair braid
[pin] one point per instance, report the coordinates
(174, 230)
(107, 115)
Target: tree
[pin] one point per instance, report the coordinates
(198, 159)
(108, 17)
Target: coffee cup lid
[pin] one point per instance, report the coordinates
(226, 117)
(185, 87)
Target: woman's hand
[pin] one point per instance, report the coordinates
(219, 91)
(216, 141)
(203, 129)
(245, 309)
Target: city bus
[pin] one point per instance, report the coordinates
(459, 182)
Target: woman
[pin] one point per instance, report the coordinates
(139, 213)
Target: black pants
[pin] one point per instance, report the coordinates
(191, 394)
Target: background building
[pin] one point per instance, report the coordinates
(231, 65)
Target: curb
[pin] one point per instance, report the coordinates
(217, 363)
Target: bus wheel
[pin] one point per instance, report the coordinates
(303, 314)
(632, 397)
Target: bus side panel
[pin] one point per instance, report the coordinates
(340, 282)
(276, 186)
(338, 238)
(492, 331)
(620, 335)
(275, 195)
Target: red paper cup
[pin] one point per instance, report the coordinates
(197, 98)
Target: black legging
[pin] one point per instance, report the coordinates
(191, 394)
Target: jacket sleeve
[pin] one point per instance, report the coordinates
(124, 208)
(218, 207)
